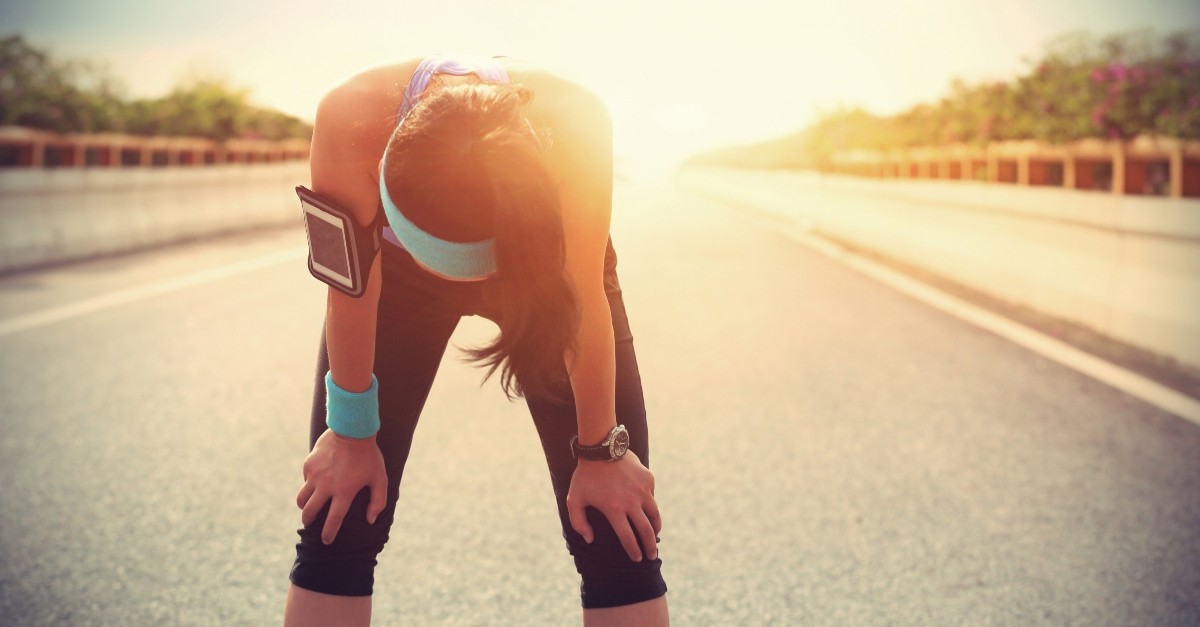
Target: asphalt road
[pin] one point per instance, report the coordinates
(828, 452)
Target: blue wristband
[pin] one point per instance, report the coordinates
(352, 414)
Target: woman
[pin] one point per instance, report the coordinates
(495, 180)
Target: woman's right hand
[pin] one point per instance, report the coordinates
(337, 469)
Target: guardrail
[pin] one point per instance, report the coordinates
(1125, 266)
(73, 197)
(1147, 165)
(22, 147)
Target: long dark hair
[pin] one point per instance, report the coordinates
(466, 165)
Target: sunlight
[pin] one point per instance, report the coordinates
(678, 78)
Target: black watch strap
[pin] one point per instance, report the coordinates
(597, 453)
(611, 449)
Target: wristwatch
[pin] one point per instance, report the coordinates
(610, 450)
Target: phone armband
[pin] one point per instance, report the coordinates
(340, 252)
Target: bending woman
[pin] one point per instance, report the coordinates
(495, 181)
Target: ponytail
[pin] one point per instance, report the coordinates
(538, 315)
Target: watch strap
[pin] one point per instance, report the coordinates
(602, 451)
(598, 453)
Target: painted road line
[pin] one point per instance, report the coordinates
(147, 290)
(1125, 380)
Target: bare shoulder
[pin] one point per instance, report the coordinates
(363, 106)
(353, 123)
(580, 136)
(575, 117)
(558, 99)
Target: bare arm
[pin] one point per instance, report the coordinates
(340, 174)
(586, 196)
(338, 467)
(624, 490)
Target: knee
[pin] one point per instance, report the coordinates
(345, 567)
(608, 577)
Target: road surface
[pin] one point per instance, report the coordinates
(828, 451)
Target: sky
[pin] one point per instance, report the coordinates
(678, 76)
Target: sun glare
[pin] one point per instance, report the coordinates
(678, 77)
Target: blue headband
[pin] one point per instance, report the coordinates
(456, 260)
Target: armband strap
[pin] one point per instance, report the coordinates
(352, 414)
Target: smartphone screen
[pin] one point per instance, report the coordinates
(328, 244)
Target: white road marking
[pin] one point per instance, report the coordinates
(1127, 381)
(121, 297)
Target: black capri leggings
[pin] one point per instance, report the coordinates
(417, 313)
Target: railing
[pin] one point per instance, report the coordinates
(1151, 166)
(30, 148)
(72, 197)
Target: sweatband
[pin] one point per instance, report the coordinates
(457, 260)
(352, 414)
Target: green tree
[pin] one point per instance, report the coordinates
(207, 108)
(1119, 86)
(39, 92)
(78, 97)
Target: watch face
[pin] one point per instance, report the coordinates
(620, 443)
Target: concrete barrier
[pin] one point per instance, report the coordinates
(66, 214)
(1125, 266)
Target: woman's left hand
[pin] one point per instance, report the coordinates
(623, 491)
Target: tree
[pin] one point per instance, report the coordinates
(207, 108)
(1117, 87)
(38, 92)
(78, 97)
